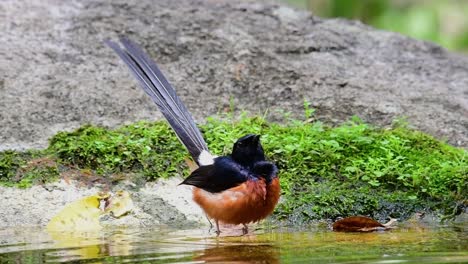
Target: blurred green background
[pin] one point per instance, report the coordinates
(441, 21)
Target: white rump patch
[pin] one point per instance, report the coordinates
(206, 158)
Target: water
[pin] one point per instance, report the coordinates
(447, 244)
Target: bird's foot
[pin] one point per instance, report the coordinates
(217, 228)
(209, 221)
(245, 229)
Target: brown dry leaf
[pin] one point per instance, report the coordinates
(360, 224)
(238, 71)
(66, 179)
(191, 164)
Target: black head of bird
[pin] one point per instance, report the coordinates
(248, 150)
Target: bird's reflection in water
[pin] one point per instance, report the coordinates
(246, 253)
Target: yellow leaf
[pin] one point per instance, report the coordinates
(120, 204)
(81, 215)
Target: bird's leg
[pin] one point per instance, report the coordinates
(245, 229)
(209, 221)
(217, 227)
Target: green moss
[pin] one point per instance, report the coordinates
(10, 161)
(149, 148)
(325, 172)
(22, 169)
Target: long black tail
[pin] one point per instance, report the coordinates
(161, 92)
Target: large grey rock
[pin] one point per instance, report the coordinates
(56, 74)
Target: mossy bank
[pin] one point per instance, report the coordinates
(326, 172)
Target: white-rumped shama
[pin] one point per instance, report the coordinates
(235, 189)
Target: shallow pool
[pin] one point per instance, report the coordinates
(418, 244)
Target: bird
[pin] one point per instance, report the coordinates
(239, 188)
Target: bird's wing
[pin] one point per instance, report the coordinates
(163, 95)
(223, 174)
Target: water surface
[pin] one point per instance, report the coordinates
(418, 244)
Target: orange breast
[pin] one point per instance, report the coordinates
(249, 202)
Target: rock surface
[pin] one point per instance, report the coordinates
(56, 74)
(155, 204)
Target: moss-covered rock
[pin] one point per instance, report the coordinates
(325, 172)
